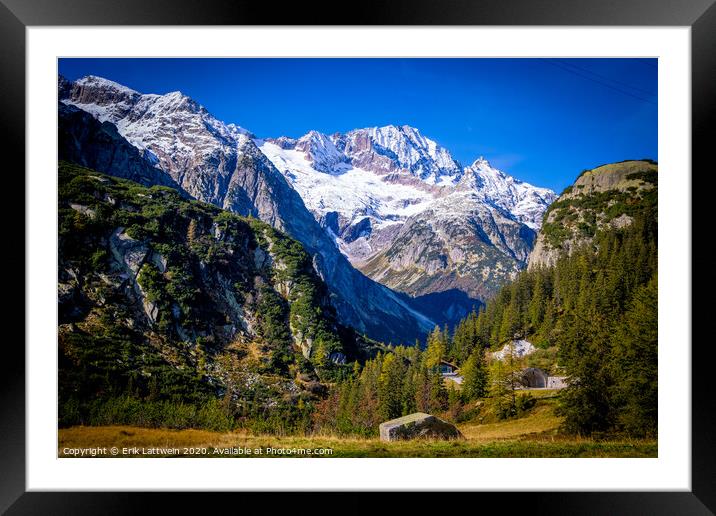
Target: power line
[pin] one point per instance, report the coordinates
(566, 63)
(559, 65)
(599, 81)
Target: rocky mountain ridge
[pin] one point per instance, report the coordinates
(409, 215)
(97, 145)
(392, 202)
(220, 164)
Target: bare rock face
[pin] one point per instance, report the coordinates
(614, 176)
(127, 251)
(96, 145)
(543, 255)
(599, 198)
(416, 426)
(517, 349)
(473, 249)
(130, 255)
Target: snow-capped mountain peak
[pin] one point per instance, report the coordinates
(481, 174)
(480, 162)
(238, 130)
(367, 186)
(527, 203)
(94, 81)
(172, 128)
(222, 164)
(392, 148)
(321, 151)
(395, 202)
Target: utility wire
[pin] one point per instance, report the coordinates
(559, 65)
(578, 72)
(604, 77)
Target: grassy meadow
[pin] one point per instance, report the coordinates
(534, 435)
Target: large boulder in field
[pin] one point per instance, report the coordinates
(416, 426)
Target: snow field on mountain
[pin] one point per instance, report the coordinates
(352, 192)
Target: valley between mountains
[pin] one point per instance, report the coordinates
(212, 279)
(377, 207)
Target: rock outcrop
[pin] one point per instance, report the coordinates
(516, 348)
(416, 426)
(600, 198)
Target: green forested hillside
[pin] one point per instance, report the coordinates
(595, 310)
(176, 313)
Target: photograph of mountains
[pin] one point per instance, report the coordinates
(357, 257)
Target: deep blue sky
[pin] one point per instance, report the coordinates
(540, 120)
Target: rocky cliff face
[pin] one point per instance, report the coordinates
(84, 140)
(458, 243)
(602, 197)
(172, 131)
(220, 164)
(388, 149)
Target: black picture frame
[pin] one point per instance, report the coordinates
(700, 15)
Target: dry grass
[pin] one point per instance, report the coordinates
(209, 444)
(532, 436)
(541, 420)
(127, 436)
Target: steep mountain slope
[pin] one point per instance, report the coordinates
(389, 149)
(457, 243)
(156, 288)
(221, 165)
(83, 140)
(601, 198)
(410, 216)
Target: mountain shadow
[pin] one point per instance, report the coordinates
(447, 307)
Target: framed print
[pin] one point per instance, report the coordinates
(268, 255)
